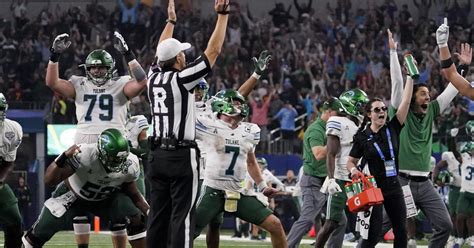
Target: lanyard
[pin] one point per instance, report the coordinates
(389, 139)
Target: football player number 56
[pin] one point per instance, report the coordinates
(105, 105)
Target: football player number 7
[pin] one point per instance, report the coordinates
(235, 151)
(105, 105)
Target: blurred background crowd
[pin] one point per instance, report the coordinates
(313, 56)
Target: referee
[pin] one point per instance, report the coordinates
(173, 158)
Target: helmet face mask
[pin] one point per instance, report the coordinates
(470, 128)
(230, 103)
(113, 150)
(99, 58)
(3, 108)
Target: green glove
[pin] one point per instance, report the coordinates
(261, 64)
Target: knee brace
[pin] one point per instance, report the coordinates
(118, 229)
(136, 228)
(29, 240)
(81, 225)
(13, 235)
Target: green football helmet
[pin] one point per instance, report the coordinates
(223, 103)
(470, 128)
(468, 147)
(113, 150)
(3, 108)
(99, 57)
(201, 90)
(333, 103)
(262, 163)
(353, 101)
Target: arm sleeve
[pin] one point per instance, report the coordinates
(316, 138)
(445, 98)
(189, 77)
(397, 80)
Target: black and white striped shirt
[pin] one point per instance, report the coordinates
(171, 97)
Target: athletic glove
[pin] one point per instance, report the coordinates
(122, 47)
(442, 34)
(333, 187)
(60, 43)
(261, 64)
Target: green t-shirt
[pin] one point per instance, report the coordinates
(416, 140)
(7, 196)
(315, 135)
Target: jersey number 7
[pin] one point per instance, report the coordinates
(236, 151)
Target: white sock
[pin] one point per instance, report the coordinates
(472, 240)
(459, 241)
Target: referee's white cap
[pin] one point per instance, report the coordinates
(170, 48)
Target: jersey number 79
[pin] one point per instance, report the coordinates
(105, 105)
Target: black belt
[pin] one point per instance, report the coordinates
(413, 178)
(171, 144)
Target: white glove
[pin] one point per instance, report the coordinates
(333, 187)
(454, 132)
(442, 34)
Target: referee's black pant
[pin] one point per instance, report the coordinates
(173, 177)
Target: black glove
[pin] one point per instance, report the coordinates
(122, 47)
(261, 64)
(60, 43)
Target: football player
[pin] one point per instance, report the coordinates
(94, 178)
(137, 137)
(10, 218)
(232, 155)
(465, 205)
(101, 102)
(340, 130)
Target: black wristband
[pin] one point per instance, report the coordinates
(61, 160)
(129, 56)
(223, 12)
(446, 63)
(171, 21)
(54, 56)
(463, 70)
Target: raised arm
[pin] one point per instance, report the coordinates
(260, 66)
(395, 72)
(135, 86)
(216, 41)
(63, 87)
(402, 110)
(60, 168)
(170, 22)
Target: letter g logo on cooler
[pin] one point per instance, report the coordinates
(357, 201)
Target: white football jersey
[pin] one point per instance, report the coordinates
(344, 129)
(467, 173)
(226, 151)
(100, 107)
(91, 182)
(454, 167)
(135, 125)
(202, 109)
(12, 134)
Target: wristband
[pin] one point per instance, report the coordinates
(54, 56)
(446, 63)
(256, 76)
(61, 160)
(129, 56)
(171, 21)
(463, 70)
(224, 12)
(261, 186)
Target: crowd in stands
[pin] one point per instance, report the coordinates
(313, 56)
